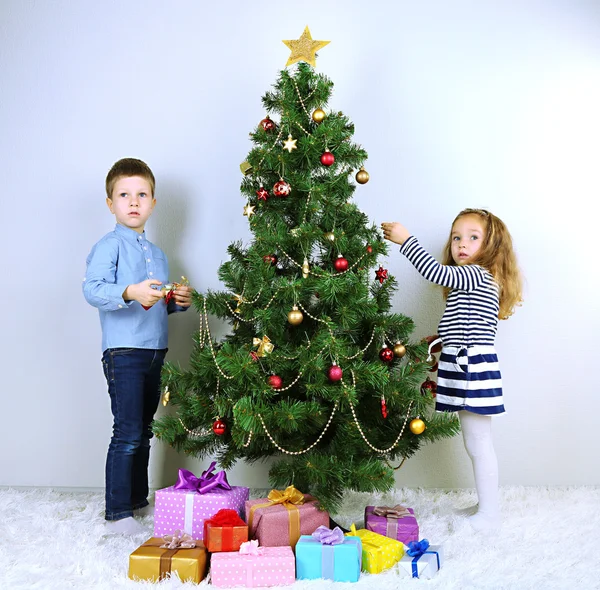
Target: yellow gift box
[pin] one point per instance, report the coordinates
(378, 552)
(152, 562)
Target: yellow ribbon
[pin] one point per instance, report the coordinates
(264, 345)
(290, 498)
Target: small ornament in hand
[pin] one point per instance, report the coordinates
(170, 289)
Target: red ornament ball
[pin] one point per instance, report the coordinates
(281, 188)
(271, 259)
(219, 427)
(369, 249)
(267, 124)
(386, 354)
(275, 381)
(335, 373)
(340, 264)
(429, 386)
(327, 158)
(262, 193)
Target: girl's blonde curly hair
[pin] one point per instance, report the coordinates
(497, 256)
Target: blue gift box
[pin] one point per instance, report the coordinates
(339, 562)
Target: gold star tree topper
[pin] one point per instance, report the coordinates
(304, 49)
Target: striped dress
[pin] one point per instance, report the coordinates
(468, 374)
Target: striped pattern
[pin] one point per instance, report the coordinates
(471, 315)
(469, 379)
(468, 375)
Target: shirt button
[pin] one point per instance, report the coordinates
(150, 273)
(147, 259)
(145, 248)
(120, 305)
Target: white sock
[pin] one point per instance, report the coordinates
(125, 526)
(477, 436)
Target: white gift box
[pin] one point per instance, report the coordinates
(425, 565)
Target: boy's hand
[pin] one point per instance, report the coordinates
(144, 293)
(395, 232)
(182, 296)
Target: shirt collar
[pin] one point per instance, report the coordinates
(130, 234)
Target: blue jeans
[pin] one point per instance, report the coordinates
(133, 377)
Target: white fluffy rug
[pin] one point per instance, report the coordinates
(550, 540)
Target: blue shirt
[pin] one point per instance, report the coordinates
(124, 257)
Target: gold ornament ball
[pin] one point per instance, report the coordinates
(318, 115)
(362, 176)
(295, 316)
(329, 236)
(417, 426)
(399, 350)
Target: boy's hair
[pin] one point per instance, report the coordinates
(497, 256)
(125, 168)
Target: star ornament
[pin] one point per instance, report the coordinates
(304, 49)
(290, 144)
(381, 274)
(249, 211)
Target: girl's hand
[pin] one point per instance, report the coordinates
(395, 232)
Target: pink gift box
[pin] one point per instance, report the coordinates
(187, 510)
(271, 524)
(275, 567)
(403, 529)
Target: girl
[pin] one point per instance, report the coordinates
(482, 284)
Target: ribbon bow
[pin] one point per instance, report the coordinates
(264, 346)
(251, 548)
(353, 532)
(178, 540)
(205, 483)
(327, 536)
(226, 517)
(289, 496)
(417, 548)
(396, 511)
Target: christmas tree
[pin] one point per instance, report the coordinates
(316, 372)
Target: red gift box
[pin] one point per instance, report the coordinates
(225, 531)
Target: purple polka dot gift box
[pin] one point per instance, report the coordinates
(192, 500)
(253, 566)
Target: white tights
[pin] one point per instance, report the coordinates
(477, 436)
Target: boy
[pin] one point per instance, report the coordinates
(123, 279)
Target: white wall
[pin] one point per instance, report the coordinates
(479, 104)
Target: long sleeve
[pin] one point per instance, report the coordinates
(99, 286)
(465, 278)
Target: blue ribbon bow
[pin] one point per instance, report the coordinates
(417, 548)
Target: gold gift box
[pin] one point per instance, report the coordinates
(151, 562)
(378, 552)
